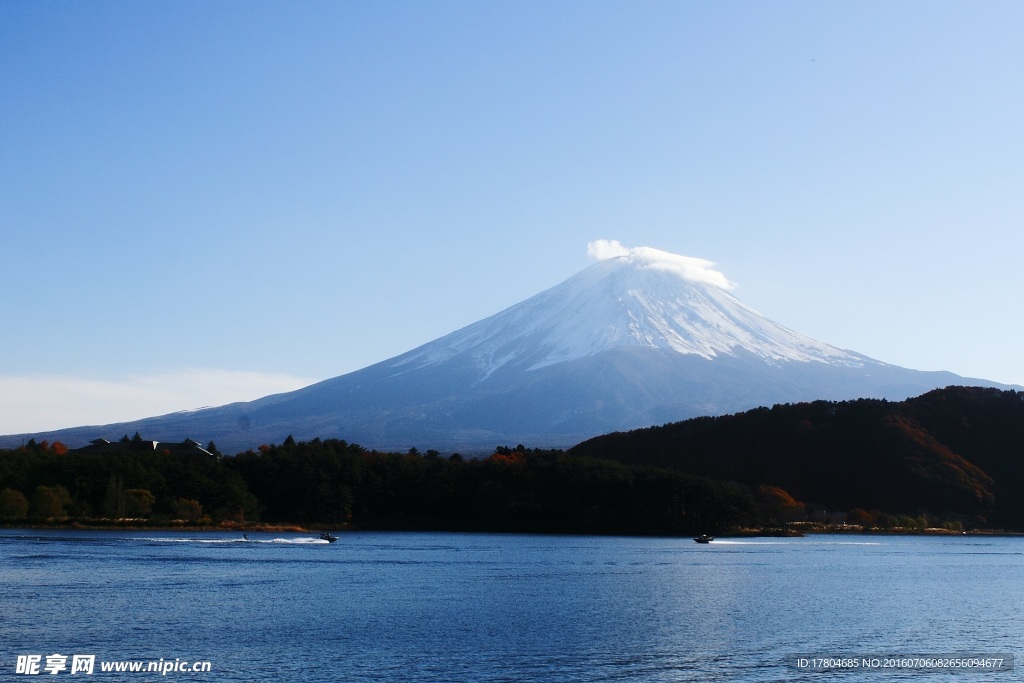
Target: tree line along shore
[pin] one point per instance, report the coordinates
(710, 477)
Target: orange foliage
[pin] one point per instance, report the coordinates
(515, 457)
(860, 516)
(779, 497)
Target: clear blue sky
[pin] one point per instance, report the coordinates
(210, 201)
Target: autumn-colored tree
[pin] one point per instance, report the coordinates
(778, 505)
(860, 517)
(508, 457)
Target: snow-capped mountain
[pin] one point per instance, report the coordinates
(642, 337)
(645, 298)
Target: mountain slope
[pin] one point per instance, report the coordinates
(641, 337)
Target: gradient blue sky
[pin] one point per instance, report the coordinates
(203, 202)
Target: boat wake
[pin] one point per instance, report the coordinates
(794, 541)
(227, 541)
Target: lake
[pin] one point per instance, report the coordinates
(495, 607)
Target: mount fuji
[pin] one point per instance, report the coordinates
(641, 337)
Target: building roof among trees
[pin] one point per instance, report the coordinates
(137, 444)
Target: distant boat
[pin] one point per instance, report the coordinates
(324, 536)
(704, 538)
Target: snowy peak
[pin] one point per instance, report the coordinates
(639, 297)
(647, 258)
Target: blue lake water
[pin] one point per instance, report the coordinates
(481, 607)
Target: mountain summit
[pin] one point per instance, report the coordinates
(642, 337)
(640, 298)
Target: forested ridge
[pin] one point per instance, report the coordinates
(952, 458)
(955, 453)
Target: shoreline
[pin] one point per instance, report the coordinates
(135, 525)
(239, 527)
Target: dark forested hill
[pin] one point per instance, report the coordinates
(956, 451)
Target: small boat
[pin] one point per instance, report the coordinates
(324, 536)
(704, 538)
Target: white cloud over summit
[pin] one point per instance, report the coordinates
(686, 267)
